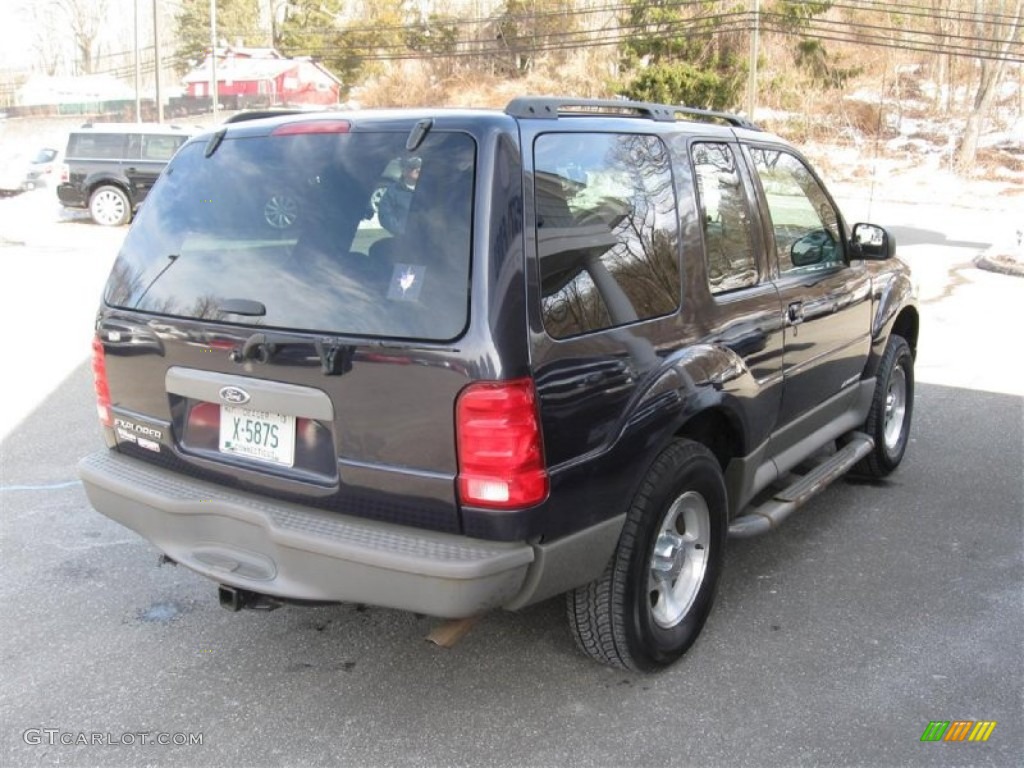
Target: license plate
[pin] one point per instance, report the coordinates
(259, 435)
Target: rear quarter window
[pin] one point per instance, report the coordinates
(607, 231)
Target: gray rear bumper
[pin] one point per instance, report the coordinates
(288, 550)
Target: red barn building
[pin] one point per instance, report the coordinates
(264, 73)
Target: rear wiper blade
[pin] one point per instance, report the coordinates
(214, 142)
(247, 307)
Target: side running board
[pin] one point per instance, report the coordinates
(768, 515)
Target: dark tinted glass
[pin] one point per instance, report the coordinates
(292, 222)
(607, 231)
(725, 218)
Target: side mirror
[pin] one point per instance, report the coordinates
(810, 249)
(870, 241)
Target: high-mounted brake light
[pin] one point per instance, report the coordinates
(312, 126)
(501, 456)
(99, 375)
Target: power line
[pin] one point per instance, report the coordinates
(856, 34)
(735, 21)
(909, 10)
(624, 8)
(630, 30)
(928, 33)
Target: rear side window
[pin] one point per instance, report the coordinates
(336, 232)
(98, 146)
(725, 218)
(607, 231)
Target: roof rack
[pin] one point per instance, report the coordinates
(553, 107)
(113, 127)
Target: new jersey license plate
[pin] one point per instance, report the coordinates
(259, 435)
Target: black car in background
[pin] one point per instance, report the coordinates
(110, 167)
(605, 336)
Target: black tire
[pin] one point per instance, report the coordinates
(109, 206)
(624, 618)
(888, 421)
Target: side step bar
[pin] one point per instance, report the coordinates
(767, 516)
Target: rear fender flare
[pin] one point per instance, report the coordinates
(697, 379)
(94, 182)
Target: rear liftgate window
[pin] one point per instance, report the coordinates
(341, 232)
(607, 231)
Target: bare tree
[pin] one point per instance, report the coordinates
(943, 69)
(85, 19)
(997, 27)
(49, 36)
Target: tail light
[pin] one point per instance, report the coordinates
(312, 126)
(65, 173)
(99, 375)
(501, 457)
(205, 417)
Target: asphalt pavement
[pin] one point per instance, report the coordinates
(873, 611)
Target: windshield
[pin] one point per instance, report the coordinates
(343, 233)
(44, 156)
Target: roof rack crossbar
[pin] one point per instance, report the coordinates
(727, 117)
(552, 107)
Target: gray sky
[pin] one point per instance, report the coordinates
(15, 34)
(19, 30)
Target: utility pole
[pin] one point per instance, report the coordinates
(213, 56)
(754, 45)
(156, 61)
(138, 67)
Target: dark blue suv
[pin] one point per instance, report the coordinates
(606, 336)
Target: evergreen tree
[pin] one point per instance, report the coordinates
(686, 53)
(530, 30)
(236, 19)
(309, 28)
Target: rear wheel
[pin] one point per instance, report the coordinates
(652, 601)
(888, 421)
(110, 207)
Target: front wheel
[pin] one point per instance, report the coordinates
(651, 603)
(888, 421)
(110, 207)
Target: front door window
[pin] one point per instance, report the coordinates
(804, 221)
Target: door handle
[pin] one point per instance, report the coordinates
(795, 313)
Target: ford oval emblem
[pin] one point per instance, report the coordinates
(234, 395)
